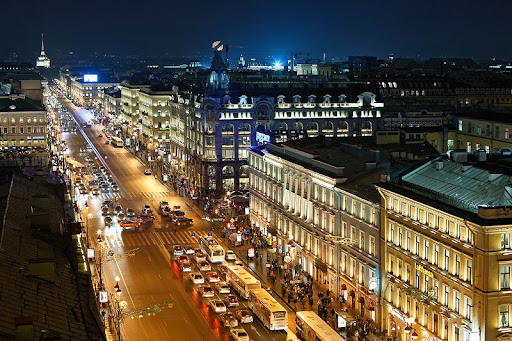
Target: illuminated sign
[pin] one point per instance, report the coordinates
(420, 268)
(90, 78)
(250, 252)
(103, 296)
(90, 253)
(262, 138)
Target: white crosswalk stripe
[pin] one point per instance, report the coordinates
(166, 237)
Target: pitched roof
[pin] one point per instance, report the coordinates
(8, 104)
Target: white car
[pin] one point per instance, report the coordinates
(146, 209)
(218, 306)
(223, 287)
(206, 291)
(186, 267)
(244, 316)
(239, 334)
(163, 204)
(196, 278)
(213, 277)
(204, 266)
(147, 171)
(200, 257)
(177, 251)
(189, 250)
(230, 255)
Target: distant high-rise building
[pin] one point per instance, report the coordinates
(43, 60)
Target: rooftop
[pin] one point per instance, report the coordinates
(19, 103)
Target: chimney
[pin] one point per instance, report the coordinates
(439, 164)
(24, 329)
(481, 155)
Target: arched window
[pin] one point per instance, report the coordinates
(244, 171)
(366, 128)
(328, 129)
(228, 171)
(342, 129)
(211, 171)
(297, 126)
(282, 126)
(312, 129)
(228, 129)
(244, 128)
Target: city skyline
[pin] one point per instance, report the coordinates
(434, 29)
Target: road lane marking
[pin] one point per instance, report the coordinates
(159, 275)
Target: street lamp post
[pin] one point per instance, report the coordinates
(100, 255)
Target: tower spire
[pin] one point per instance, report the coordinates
(42, 43)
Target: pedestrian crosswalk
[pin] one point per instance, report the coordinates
(136, 239)
(134, 195)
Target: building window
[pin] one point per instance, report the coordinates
(400, 236)
(504, 316)
(469, 271)
(361, 240)
(436, 255)
(468, 307)
(426, 250)
(392, 233)
(446, 295)
(505, 240)
(457, 265)
(417, 249)
(372, 245)
(408, 242)
(504, 277)
(417, 283)
(456, 302)
(446, 260)
(13, 130)
(507, 133)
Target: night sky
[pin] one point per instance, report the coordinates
(435, 28)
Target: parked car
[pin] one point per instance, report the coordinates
(147, 171)
(231, 300)
(228, 320)
(218, 306)
(206, 291)
(223, 287)
(196, 278)
(146, 209)
(244, 316)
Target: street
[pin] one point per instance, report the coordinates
(150, 276)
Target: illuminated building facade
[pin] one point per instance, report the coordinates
(445, 246)
(484, 130)
(22, 122)
(86, 91)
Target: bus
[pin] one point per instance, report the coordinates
(76, 166)
(273, 315)
(310, 327)
(212, 249)
(91, 182)
(116, 142)
(241, 280)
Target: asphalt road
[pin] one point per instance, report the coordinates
(151, 276)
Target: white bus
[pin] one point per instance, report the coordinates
(241, 280)
(310, 327)
(273, 315)
(116, 141)
(211, 248)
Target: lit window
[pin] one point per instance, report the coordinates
(504, 277)
(504, 316)
(505, 240)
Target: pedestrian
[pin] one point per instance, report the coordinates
(295, 302)
(103, 313)
(110, 321)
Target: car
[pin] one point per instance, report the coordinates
(213, 277)
(183, 221)
(163, 204)
(82, 190)
(115, 188)
(177, 250)
(244, 316)
(130, 213)
(200, 257)
(189, 250)
(107, 142)
(166, 211)
(228, 320)
(186, 267)
(196, 278)
(239, 334)
(129, 225)
(147, 171)
(238, 262)
(106, 211)
(145, 219)
(120, 216)
(103, 169)
(230, 255)
(177, 213)
(183, 259)
(107, 203)
(104, 189)
(95, 191)
(89, 159)
(223, 287)
(100, 135)
(146, 209)
(204, 266)
(118, 209)
(206, 291)
(217, 306)
(231, 300)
